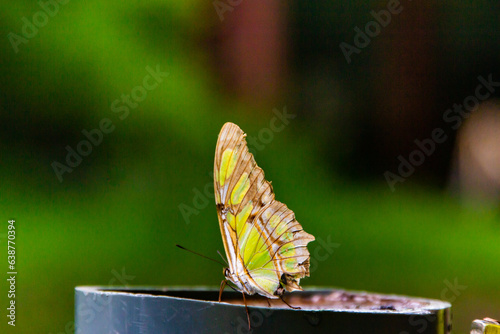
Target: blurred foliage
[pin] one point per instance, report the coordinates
(119, 209)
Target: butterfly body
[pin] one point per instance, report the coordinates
(266, 247)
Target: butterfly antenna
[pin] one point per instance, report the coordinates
(223, 259)
(206, 257)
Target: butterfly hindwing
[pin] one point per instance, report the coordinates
(263, 241)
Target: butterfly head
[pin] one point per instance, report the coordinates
(230, 276)
(235, 279)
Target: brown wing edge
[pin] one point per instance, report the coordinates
(232, 135)
(291, 280)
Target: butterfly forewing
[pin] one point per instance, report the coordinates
(265, 246)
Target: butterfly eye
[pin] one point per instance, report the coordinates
(226, 272)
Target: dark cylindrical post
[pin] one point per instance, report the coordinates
(171, 310)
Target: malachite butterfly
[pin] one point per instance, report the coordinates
(265, 246)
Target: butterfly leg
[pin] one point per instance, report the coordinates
(290, 306)
(222, 286)
(246, 309)
(268, 303)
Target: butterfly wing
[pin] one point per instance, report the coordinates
(265, 246)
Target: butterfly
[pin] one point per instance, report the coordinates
(266, 248)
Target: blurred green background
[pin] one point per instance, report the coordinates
(115, 218)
